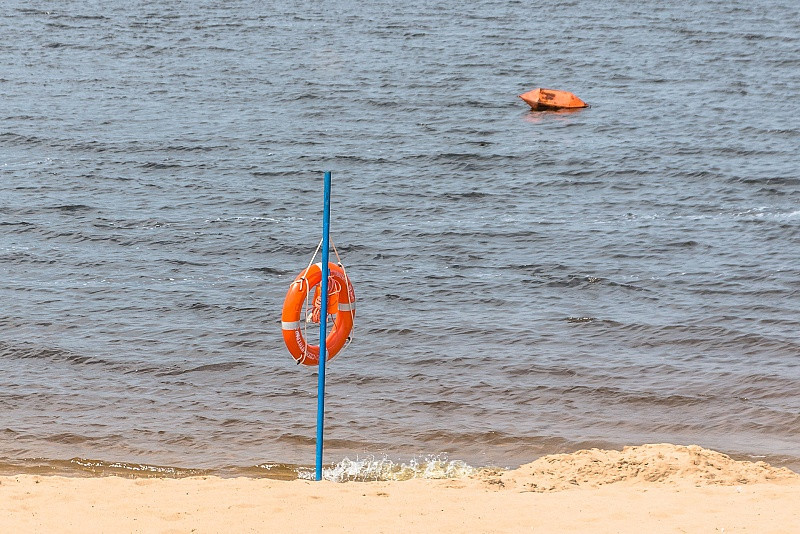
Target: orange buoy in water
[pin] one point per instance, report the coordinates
(549, 99)
(341, 302)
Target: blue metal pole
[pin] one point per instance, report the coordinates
(323, 320)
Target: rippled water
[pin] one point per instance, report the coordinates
(527, 282)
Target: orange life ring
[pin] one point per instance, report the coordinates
(292, 321)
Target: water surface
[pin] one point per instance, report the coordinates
(528, 283)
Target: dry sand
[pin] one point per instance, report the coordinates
(647, 489)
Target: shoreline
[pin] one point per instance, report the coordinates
(654, 488)
(363, 468)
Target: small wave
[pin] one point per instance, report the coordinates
(69, 438)
(71, 208)
(193, 148)
(27, 351)
(16, 139)
(271, 270)
(211, 367)
(160, 166)
(469, 195)
(359, 470)
(371, 469)
(130, 470)
(580, 319)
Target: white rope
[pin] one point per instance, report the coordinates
(305, 308)
(347, 281)
(313, 257)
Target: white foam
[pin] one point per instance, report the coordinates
(372, 469)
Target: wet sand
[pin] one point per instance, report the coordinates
(651, 488)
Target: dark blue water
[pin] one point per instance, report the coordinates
(528, 282)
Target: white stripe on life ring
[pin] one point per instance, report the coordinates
(294, 325)
(345, 306)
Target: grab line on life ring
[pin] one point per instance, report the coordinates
(292, 313)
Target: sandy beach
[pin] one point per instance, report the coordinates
(650, 488)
